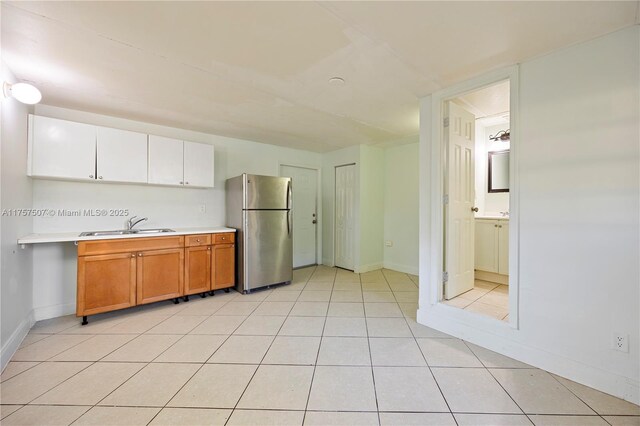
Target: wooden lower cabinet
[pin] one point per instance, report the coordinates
(106, 283)
(197, 277)
(160, 275)
(224, 266)
(120, 273)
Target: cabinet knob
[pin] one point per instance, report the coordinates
(495, 226)
(133, 255)
(91, 176)
(198, 240)
(224, 238)
(99, 177)
(474, 209)
(139, 254)
(208, 248)
(181, 183)
(186, 183)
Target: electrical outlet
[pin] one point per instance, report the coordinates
(202, 208)
(388, 243)
(621, 342)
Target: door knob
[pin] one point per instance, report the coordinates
(474, 209)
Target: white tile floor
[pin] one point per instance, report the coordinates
(485, 298)
(333, 348)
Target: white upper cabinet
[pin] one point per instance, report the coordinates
(122, 156)
(198, 164)
(165, 161)
(61, 149)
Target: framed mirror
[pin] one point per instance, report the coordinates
(498, 171)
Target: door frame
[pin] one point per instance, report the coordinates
(318, 171)
(436, 188)
(355, 210)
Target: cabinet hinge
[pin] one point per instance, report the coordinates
(445, 199)
(445, 122)
(445, 277)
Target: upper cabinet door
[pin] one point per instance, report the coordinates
(122, 156)
(198, 164)
(61, 149)
(165, 161)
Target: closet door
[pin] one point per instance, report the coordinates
(345, 216)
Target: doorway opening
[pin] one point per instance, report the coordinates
(304, 185)
(476, 210)
(345, 205)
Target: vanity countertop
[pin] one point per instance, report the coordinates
(492, 217)
(61, 237)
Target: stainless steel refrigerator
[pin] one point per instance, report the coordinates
(259, 207)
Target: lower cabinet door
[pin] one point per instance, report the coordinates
(197, 277)
(106, 283)
(224, 266)
(160, 275)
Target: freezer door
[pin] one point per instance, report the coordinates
(268, 247)
(267, 192)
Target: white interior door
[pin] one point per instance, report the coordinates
(460, 186)
(345, 216)
(304, 184)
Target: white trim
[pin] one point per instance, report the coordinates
(13, 343)
(435, 189)
(53, 311)
(318, 203)
(476, 328)
(407, 269)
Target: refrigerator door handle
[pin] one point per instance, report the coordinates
(289, 194)
(288, 222)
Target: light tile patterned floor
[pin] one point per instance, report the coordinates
(485, 298)
(332, 348)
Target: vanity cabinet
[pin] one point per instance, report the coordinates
(61, 149)
(492, 245)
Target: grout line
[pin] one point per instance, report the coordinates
(430, 369)
(373, 376)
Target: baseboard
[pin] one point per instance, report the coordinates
(492, 277)
(327, 262)
(16, 338)
(413, 270)
(54, 311)
(367, 268)
(605, 381)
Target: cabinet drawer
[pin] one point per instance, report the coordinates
(86, 248)
(227, 237)
(198, 240)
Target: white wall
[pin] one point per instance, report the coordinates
(371, 208)
(15, 193)
(401, 208)
(579, 188)
(54, 269)
(490, 204)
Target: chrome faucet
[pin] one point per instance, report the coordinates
(133, 221)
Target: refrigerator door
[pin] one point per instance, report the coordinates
(267, 193)
(268, 248)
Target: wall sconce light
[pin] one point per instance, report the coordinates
(23, 92)
(503, 135)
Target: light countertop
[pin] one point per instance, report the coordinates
(62, 237)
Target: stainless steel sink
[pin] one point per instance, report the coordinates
(125, 232)
(152, 231)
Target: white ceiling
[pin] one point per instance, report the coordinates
(260, 70)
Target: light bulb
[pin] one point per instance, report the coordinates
(23, 92)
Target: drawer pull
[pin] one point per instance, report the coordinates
(198, 240)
